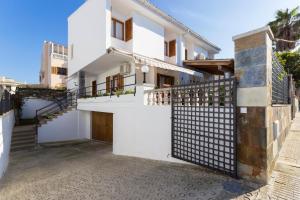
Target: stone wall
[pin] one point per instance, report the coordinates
(278, 126)
(261, 127)
(252, 134)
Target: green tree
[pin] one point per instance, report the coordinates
(291, 63)
(286, 28)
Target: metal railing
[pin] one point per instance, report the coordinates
(6, 102)
(280, 83)
(49, 111)
(111, 88)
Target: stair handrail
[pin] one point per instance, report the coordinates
(70, 99)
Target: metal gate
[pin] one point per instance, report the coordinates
(204, 124)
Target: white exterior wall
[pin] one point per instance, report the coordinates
(73, 82)
(197, 50)
(72, 125)
(7, 122)
(31, 105)
(138, 130)
(89, 33)
(148, 37)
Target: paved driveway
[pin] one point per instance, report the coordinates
(90, 171)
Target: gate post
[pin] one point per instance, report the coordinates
(253, 69)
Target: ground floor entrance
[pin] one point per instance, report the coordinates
(102, 126)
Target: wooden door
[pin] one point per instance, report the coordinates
(102, 126)
(94, 88)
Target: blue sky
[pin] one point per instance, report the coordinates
(25, 24)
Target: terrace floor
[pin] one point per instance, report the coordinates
(90, 171)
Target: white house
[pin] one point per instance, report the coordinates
(119, 51)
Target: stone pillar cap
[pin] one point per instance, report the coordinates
(266, 29)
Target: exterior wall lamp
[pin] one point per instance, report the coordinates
(145, 69)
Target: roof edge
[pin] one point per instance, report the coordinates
(171, 19)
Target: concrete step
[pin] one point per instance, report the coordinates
(23, 142)
(23, 137)
(22, 147)
(18, 129)
(24, 133)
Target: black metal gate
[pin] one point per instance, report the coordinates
(204, 124)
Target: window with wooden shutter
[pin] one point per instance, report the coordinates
(54, 70)
(186, 54)
(172, 48)
(117, 29)
(128, 30)
(120, 82)
(108, 84)
(166, 49)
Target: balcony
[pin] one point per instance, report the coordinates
(117, 86)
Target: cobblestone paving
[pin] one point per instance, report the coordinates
(90, 171)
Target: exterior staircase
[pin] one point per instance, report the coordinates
(58, 108)
(25, 137)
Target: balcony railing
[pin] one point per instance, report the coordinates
(158, 97)
(215, 93)
(111, 88)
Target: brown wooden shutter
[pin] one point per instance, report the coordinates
(128, 30)
(186, 54)
(172, 48)
(108, 84)
(120, 82)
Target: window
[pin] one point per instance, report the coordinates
(164, 81)
(117, 29)
(59, 71)
(186, 54)
(172, 48)
(166, 49)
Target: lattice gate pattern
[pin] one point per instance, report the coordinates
(204, 124)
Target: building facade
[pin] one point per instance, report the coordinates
(137, 29)
(8, 84)
(54, 65)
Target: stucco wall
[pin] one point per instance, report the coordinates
(69, 126)
(89, 33)
(7, 122)
(148, 37)
(31, 105)
(139, 130)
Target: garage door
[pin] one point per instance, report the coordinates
(102, 126)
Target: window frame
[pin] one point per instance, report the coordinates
(166, 48)
(114, 22)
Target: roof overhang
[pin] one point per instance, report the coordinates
(153, 62)
(115, 57)
(216, 67)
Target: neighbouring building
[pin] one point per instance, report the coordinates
(8, 84)
(54, 65)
